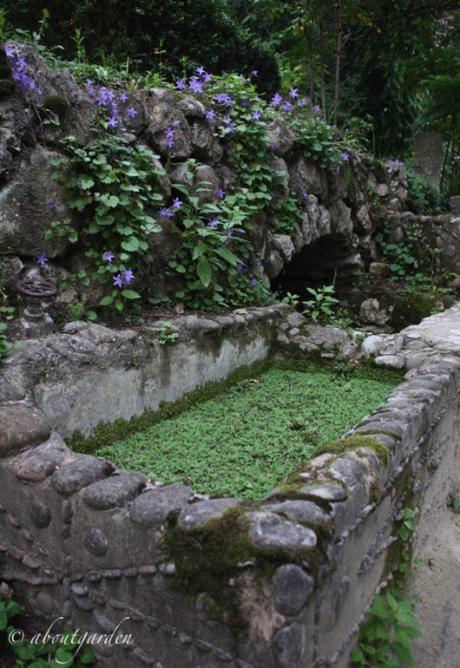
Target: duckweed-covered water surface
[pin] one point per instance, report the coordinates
(244, 440)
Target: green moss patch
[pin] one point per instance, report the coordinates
(241, 441)
(353, 442)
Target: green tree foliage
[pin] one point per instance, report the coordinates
(152, 34)
(364, 58)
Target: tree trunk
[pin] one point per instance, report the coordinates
(338, 57)
(323, 71)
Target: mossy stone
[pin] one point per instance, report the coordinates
(353, 442)
(411, 308)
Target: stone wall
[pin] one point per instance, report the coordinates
(341, 205)
(282, 583)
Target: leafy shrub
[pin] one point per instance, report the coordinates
(386, 638)
(110, 181)
(287, 215)
(317, 139)
(422, 197)
(321, 306)
(413, 260)
(214, 254)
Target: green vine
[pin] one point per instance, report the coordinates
(114, 184)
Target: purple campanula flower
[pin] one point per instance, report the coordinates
(293, 93)
(256, 115)
(229, 233)
(195, 85)
(169, 137)
(252, 283)
(224, 99)
(213, 223)
(123, 97)
(131, 113)
(317, 109)
(123, 279)
(241, 268)
(200, 70)
(166, 213)
(101, 98)
(41, 260)
(21, 63)
(177, 203)
(206, 77)
(51, 206)
(305, 195)
(108, 257)
(90, 87)
(128, 277)
(112, 122)
(19, 72)
(303, 102)
(220, 193)
(254, 74)
(287, 106)
(118, 281)
(210, 114)
(180, 84)
(345, 156)
(276, 100)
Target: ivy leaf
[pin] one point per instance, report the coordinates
(110, 201)
(106, 301)
(86, 182)
(199, 250)
(131, 245)
(379, 608)
(227, 255)
(130, 294)
(204, 271)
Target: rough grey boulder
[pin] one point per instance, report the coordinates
(306, 177)
(280, 137)
(162, 117)
(205, 145)
(28, 206)
(15, 119)
(21, 425)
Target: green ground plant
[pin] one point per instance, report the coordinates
(27, 654)
(226, 446)
(387, 637)
(165, 333)
(322, 303)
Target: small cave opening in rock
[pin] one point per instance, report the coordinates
(326, 261)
